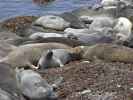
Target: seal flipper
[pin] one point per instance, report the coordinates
(32, 66)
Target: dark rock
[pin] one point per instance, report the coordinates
(18, 25)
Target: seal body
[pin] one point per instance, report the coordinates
(123, 29)
(33, 86)
(27, 55)
(108, 52)
(52, 22)
(4, 95)
(100, 23)
(8, 87)
(56, 58)
(76, 31)
(44, 35)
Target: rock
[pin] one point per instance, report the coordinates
(33, 86)
(40, 2)
(52, 22)
(75, 22)
(38, 35)
(18, 25)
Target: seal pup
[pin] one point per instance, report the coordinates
(56, 58)
(33, 86)
(122, 29)
(107, 52)
(28, 55)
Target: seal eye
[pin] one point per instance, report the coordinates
(121, 24)
(49, 54)
(52, 17)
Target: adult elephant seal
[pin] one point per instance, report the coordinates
(52, 22)
(4, 95)
(57, 58)
(33, 86)
(108, 52)
(28, 55)
(123, 29)
(8, 86)
(63, 40)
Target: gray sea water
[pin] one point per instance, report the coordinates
(11, 8)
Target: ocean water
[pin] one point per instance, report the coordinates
(12, 8)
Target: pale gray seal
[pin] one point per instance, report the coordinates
(123, 29)
(33, 86)
(52, 22)
(44, 35)
(8, 87)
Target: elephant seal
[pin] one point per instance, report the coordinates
(33, 86)
(63, 40)
(108, 52)
(101, 22)
(5, 48)
(90, 39)
(4, 95)
(76, 31)
(8, 87)
(123, 29)
(52, 22)
(37, 35)
(56, 58)
(109, 3)
(28, 55)
(74, 21)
